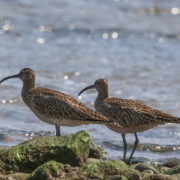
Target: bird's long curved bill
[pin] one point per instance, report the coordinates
(9, 77)
(86, 88)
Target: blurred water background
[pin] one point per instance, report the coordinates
(135, 44)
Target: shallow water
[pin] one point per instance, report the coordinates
(133, 43)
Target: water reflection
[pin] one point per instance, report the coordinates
(175, 11)
(45, 29)
(114, 35)
(105, 36)
(40, 40)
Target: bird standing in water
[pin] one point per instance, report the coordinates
(127, 116)
(54, 107)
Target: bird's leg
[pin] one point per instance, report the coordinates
(134, 148)
(125, 147)
(58, 133)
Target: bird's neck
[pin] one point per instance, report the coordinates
(101, 97)
(27, 86)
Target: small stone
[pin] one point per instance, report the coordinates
(92, 160)
(147, 171)
(142, 166)
(174, 170)
(170, 162)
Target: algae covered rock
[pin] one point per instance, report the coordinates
(105, 169)
(50, 170)
(72, 149)
(64, 158)
(110, 170)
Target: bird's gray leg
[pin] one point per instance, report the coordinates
(58, 133)
(134, 148)
(125, 147)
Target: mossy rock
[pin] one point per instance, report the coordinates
(144, 166)
(101, 170)
(108, 170)
(50, 170)
(72, 149)
(174, 170)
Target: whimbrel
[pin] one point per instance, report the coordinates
(54, 107)
(127, 116)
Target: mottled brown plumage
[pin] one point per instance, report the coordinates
(127, 116)
(52, 106)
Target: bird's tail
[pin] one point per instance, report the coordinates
(165, 118)
(175, 120)
(169, 119)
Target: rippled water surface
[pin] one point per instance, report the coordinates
(135, 44)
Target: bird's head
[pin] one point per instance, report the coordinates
(100, 85)
(25, 74)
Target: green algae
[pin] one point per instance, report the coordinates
(110, 170)
(112, 167)
(64, 158)
(79, 145)
(25, 157)
(51, 169)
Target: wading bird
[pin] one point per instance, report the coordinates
(127, 116)
(54, 107)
